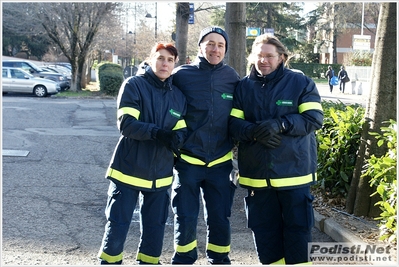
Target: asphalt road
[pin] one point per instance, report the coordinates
(54, 191)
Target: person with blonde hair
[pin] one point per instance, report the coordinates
(275, 114)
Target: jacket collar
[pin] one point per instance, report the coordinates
(255, 75)
(204, 64)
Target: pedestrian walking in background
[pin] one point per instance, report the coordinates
(150, 119)
(206, 158)
(275, 114)
(330, 75)
(342, 76)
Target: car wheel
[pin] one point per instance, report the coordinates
(40, 91)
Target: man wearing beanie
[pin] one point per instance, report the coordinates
(206, 157)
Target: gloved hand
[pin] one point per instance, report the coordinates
(268, 128)
(271, 142)
(267, 133)
(169, 139)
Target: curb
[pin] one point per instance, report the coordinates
(334, 230)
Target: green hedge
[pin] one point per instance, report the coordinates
(338, 143)
(383, 172)
(110, 78)
(315, 70)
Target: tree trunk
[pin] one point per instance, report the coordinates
(335, 35)
(83, 81)
(182, 16)
(235, 28)
(380, 107)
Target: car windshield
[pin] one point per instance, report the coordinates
(36, 67)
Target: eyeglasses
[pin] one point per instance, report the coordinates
(268, 57)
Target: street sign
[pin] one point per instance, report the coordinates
(269, 31)
(252, 32)
(191, 14)
(361, 42)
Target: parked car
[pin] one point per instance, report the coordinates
(59, 69)
(36, 71)
(65, 64)
(19, 81)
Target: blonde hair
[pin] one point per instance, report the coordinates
(268, 39)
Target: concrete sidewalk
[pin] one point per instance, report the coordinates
(336, 95)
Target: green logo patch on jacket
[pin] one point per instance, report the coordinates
(281, 102)
(227, 96)
(175, 113)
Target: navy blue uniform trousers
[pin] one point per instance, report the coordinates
(154, 208)
(217, 194)
(281, 222)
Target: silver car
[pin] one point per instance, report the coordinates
(19, 81)
(36, 71)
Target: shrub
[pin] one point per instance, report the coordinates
(110, 77)
(382, 171)
(338, 143)
(314, 70)
(359, 58)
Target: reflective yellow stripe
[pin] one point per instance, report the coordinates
(237, 113)
(299, 180)
(108, 258)
(130, 111)
(135, 181)
(186, 248)
(180, 124)
(256, 183)
(305, 263)
(192, 160)
(278, 182)
(147, 259)
(218, 249)
(163, 182)
(279, 262)
(228, 156)
(196, 161)
(309, 105)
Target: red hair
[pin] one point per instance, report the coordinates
(167, 46)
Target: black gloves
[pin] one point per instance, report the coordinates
(267, 133)
(272, 142)
(268, 127)
(169, 139)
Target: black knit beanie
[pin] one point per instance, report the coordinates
(212, 29)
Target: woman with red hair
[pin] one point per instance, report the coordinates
(150, 114)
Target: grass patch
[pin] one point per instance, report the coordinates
(321, 80)
(83, 93)
(91, 90)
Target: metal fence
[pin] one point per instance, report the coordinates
(362, 74)
(360, 79)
